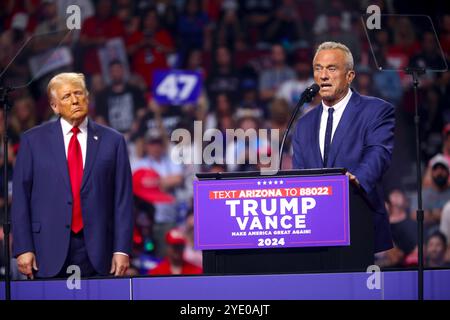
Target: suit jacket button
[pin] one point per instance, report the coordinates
(69, 203)
(68, 226)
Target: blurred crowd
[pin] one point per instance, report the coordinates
(255, 59)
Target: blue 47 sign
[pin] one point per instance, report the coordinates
(176, 87)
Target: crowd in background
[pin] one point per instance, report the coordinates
(255, 59)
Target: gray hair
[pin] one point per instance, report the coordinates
(330, 45)
(65, 77)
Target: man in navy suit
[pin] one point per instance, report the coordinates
(72, 194)
(348, 130)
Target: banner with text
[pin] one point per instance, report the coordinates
(275, 212)
(176, 87)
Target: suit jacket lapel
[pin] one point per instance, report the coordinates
(315, 130)
(92, 145)
(351, 110)
(57, 146)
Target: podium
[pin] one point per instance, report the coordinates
(356, 255)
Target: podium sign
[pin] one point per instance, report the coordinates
(271, 212)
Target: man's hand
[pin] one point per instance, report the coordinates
(26, 262)
(120, 264)
(353, 179)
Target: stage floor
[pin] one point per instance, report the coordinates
(390, 285)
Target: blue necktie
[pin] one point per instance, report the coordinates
(328, 131)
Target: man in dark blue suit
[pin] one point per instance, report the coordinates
(348, 130)
(72, 196)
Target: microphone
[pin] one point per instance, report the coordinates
(309, 93)
(306, 96)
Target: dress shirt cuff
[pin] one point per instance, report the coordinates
(122, 253)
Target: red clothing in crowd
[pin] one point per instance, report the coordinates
(445, 43)
(94, 27)
(146, 60)
(19, 6)
(164, 268)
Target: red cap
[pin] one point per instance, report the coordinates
(175, 237)
(146, 187)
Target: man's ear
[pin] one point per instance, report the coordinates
(54, 107)
(350, 76)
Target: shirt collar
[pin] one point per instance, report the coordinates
(341, 103)
(67, 127)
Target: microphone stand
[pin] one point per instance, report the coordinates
(307, 96)
(4, 102)
(415, 73)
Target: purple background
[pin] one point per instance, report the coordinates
(328, 221)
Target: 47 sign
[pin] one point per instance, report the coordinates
(176, 87)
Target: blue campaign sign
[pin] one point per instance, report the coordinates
(176, 86)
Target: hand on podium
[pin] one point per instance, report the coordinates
(353, 179)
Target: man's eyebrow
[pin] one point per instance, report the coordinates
(327, 66)
(70, 91)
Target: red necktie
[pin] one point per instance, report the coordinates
(75, 163)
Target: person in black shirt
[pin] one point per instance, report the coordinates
(223, 77)
(404, 232)
(120, 103)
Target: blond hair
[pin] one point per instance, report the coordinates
(64, 77)
(330, 45)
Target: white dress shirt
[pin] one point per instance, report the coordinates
(82, 136)
(82, 139)
(337, 115)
